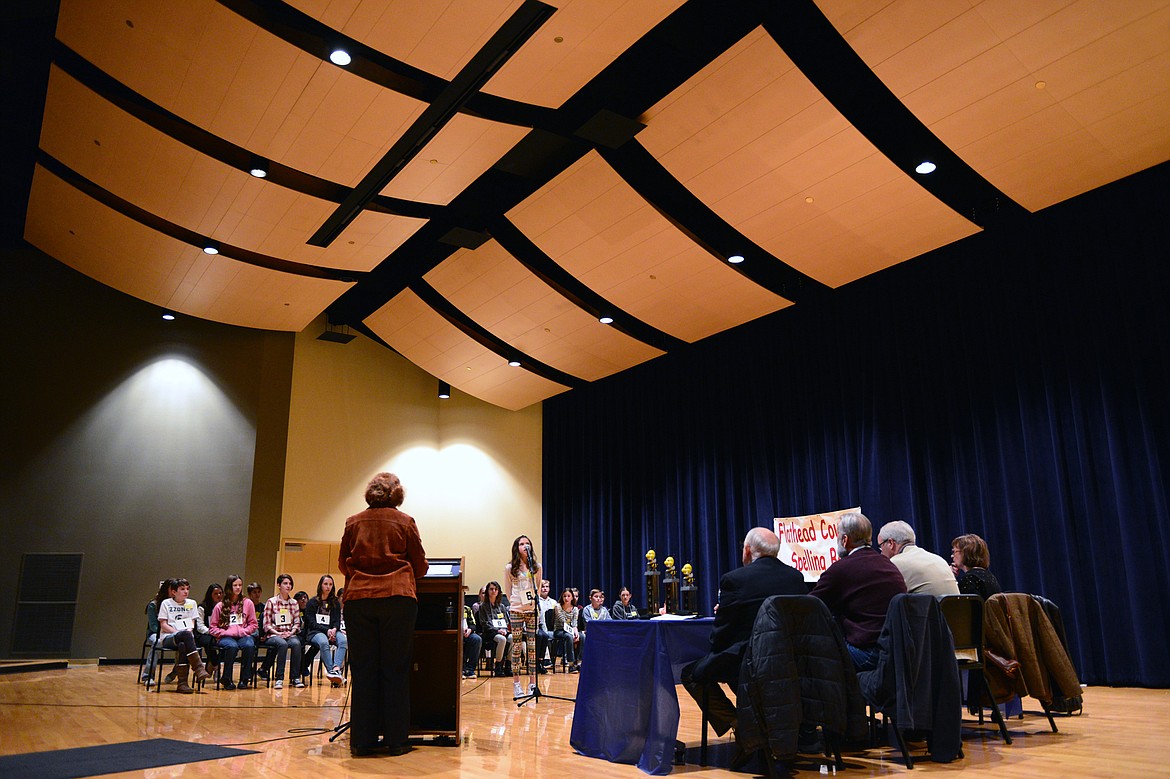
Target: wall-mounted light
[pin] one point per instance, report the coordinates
(924, 167)
(444, 390)
(735, 259)
(340, 57)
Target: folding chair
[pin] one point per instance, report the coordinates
(964, 616)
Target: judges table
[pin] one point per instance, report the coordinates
(627, 706)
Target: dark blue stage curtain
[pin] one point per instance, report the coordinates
(1014, 385)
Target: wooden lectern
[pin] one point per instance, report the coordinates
(437, 667)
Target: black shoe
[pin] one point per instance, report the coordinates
(263, 674)
(740, 759)
(228, 685)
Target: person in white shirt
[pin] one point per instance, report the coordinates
(923, 571)
(178, 619)
(520, 576)
(544, 604)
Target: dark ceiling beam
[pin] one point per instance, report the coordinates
(298, 29)
(180, 233)
(573, 289)
(484, 338)
(695, 218)
(211, 145)
(843, 77)
(478, 71)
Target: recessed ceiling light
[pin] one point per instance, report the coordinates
(169, 317)
(735, 259)
(1041, 84)
(259, 168)
(606, 320)
(210, 249)
(925, 167)
(808, 200)
(340, 57)
(514, 363)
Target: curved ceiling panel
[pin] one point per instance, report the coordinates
(215, 69)
(581, 39)
(418, 333)
(457, 155)
(130, 257)
(755, 140)
(504, 297)
(157, 173)
(1045, 100)
(596, 227)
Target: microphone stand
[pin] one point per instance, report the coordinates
(536, 694)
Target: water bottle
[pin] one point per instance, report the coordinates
(450, 614)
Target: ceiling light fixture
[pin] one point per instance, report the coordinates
(606, 320)
(444, 390)
(514, 363)
(735, 259)
(340, 57)
(168, 316)
(924, 167)
(259, 168)
(211, 247)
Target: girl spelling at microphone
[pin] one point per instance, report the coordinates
(520, 577)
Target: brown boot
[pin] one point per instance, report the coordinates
(182, 672)
(174, 674)
(197, 666)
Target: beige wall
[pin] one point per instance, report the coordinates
(472, 471)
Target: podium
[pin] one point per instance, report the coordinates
(437, 665)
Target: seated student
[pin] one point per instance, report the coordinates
(624, 609)
(203, 637)
(544, 636)
(256, 595)
(232, 623)
(282, 630)
(594, 612)
(472, 643)
(176, 623)
(323, 628)
(495, 628)
(565, 632)
(165, 588)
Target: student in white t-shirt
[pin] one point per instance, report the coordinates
(178, 619)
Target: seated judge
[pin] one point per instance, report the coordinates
(741, 592)
(924, 572)
(858, 589)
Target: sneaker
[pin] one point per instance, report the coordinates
(334, 675)
(517, 691)
(279, 684)
(469, 674)
(150, 682)
(228, 685)
(297, 682)
(531, 687)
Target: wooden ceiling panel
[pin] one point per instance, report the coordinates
(123, 254)
(1009, 86)
(505, 298)
(580, 40)
(428, 340)
(591, 223)
(458, 155)
(438, 36)
(222, 73)
(758, 140)
(164, 177)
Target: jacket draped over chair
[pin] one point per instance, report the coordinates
(1015, 626)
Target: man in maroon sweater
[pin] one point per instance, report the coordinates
(858, 588)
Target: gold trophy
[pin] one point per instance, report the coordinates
(653, 577)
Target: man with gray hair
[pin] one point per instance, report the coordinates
(741, 592)
(858, 589)
(924, 572)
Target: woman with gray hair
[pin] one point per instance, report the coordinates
(382, 557)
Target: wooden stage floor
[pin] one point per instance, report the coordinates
(1122, 732)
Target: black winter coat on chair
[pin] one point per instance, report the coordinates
(917, 679)
(796, 671)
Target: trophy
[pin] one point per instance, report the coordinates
(653, 577)
(688, 593)
(670, 587)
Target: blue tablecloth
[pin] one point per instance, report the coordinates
(627, 707)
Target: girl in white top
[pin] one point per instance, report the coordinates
(520, 578)
(178, 619)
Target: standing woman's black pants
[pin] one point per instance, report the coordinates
(381, 637)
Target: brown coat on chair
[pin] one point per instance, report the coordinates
(1015, 626)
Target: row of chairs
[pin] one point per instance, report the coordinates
(923, 629)
(260, 659)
